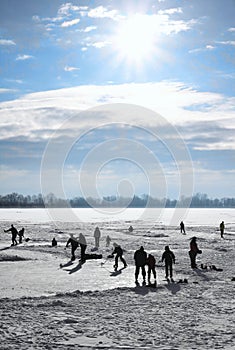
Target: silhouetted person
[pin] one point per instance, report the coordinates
(108, 240)
(97, 235)
(151, 262)
(130, 229)
(14, 233)
(74, 244)
(140, 258)
(119, 254)
(222, 227)
(182, 227)
(169, 258)
(83, 245)
(54, 242)
(193, 252)
(21, 234)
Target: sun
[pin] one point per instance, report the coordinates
(135, 39)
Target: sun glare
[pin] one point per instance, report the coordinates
(135, 39)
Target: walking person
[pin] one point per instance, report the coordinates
(182, 227)
(222, 227)
(14, 233)
(74, 244)
(83, 245)
(151, 263)
(193, 252)
(140, 258)
(97, 235)
(108, 240)
(119, 254)
(21, 234)
(169, 258)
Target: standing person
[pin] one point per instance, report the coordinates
(140, 258)
(21, 234)
(151, 262)
(97, 235)
(119, 254)
(130, 229)
(182, 227)
(83, 245)
(222, 227)
(54, 242)
(14, 233)
(108, 240)
(169, 258)
(74, 244)
(193, 252)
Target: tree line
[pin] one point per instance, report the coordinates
(15, 200)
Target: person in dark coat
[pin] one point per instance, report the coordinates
(83, 245)
(193, 252)
(14, 234)
(151, 262)
(140, 258)
(119, 254)
(169, 258)
(222, 227)
(97, 235)
(54, 242)
(74, 244)
(182, 227)
(21, 234)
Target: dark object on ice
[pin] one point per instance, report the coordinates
(54, 242)
(119, 254)
(93, 256)
(14, 233)
(130, 229)
(211, 267)
(222, 227)
(140, 258)
(27, 239)
(151, 262)
(193, 252)
(233, 279)
(169, 258)
(183, 281)
(182, 227)
(21, 234)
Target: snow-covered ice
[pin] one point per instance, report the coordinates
(44, 306)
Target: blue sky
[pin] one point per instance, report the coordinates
(58, 59)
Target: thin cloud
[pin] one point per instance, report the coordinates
(7, 42)
(232, 29)
(70, 69)
(170, 11)
(70, 23)
(102, 12)
(24, 57)
(228, 42)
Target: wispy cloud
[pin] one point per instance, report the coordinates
(227, 42)
(7, 42)
(70, 23)
(24, 57)
(170, 11)
(201, 49)
(102, 12)
(232, 29)
(70, 68)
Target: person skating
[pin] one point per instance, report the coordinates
(119, 254)
(21, 234)
(74, 244)
(169, 258)
(97, 235)
(222, 227)
(182, 227)
(14, 234)
(193, 252)
(140, 258)
(83, 245)
(151, 263)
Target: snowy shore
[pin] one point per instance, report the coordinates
(44, 306)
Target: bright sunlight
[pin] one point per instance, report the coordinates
(136, 38)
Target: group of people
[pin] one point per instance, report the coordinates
(15, 233)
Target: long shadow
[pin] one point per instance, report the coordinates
(201, 274)
(76, 268)
(5, 248)
(174, 288)
(69, 263)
